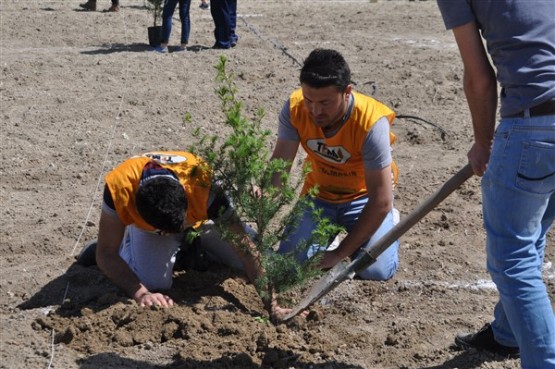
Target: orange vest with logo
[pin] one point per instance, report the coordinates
(337, 168)
(191, 172)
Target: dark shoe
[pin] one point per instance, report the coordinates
(483, 340)
(204, 6)
(89, 5)
(87, 256)
(220, 47)
(113, 9)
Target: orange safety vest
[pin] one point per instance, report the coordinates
(336, 162)
(191, 171)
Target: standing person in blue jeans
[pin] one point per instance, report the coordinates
(517, 161)
(167, 14)
(224, 13)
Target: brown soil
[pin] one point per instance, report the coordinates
(81, 91)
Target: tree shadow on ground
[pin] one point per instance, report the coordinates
(139, 48)
(231, 361)
(119, 48)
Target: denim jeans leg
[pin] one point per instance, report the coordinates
(298, 234)
(233, 21)
(220, 10)
(184, 10)
(167, 14)
(518, 191)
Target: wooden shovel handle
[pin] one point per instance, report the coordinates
(420, 212)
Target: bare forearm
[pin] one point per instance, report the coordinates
(246, 250)
(480, 84)
(286, 151)
(117, 270)
(368, 223)
(481, 96)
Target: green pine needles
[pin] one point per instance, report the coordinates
(155, 7)
(241, 165)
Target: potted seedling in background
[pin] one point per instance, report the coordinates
(240, 163)
(155, 31)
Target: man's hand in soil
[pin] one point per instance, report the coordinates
(153, 299)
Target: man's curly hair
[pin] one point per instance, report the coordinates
(162, 203)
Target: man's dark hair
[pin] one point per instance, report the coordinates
(161, 201)
(323, 68)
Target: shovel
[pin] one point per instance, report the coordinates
(347, 270)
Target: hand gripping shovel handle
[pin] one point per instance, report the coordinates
(345, 270)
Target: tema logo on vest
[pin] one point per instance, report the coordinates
(165, 158)
(334, 154)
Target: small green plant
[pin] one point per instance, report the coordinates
(155, 7)
(262, 320)
(241, 164)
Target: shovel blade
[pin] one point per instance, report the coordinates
(332, 278)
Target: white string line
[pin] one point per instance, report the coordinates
(51, 350)
(2, 137)
(111, 140)
(99, 180)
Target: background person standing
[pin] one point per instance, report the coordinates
(224, 13)
(167, 14)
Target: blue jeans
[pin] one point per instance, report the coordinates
(346, 215)
(167, 14)
(518, 191)
(224, 13)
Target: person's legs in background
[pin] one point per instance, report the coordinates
(89, 5)
(115, 6)
(233, 23)
(167, 14)
(184, 8)
(221, 14)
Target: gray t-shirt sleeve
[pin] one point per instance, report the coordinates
(109, 210)
(286, 131)
(455, 12)
(376, 150)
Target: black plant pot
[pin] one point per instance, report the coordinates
(154, 35)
